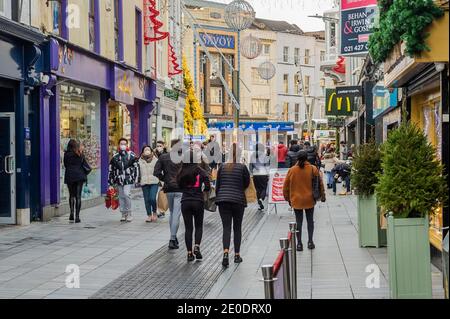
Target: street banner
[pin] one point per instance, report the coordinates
(338, 105)
(276, 183)
(357, 21)
(349, 91)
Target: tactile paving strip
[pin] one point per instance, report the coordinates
(167, 274)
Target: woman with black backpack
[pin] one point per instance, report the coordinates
(75, 175)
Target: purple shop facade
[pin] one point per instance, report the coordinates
(115, 82)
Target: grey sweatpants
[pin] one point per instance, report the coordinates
(125, 200)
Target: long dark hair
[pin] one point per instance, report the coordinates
(143, 149)
(74, 147)
(188, 173)
(302, 158)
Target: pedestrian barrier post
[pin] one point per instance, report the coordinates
(284, 244)
(293, 258)
(267, 272)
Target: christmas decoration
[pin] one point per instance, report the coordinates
(174, 67)
(194, 122)
(402, 20)
(239, 15)
(251, 47)
(266, 70)
(411, 183)
(340, 65)
(152, 28)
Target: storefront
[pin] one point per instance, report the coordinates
(95, 102)
(21, 52)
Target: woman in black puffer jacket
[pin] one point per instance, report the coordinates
(233, 179)
(74, 177)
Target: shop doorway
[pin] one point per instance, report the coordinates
(7, 169)
(119, 125)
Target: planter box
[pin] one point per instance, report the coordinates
(409, 258)
(370, 232)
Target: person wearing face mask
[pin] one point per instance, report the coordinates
(149, 182)
(160, 148)
(124, 173)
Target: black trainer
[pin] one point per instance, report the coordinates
(190, 257)
(71, 218)
(311, 245)
(176, 241)
(261, 206)
(197, 253)
(173, 244)
(299, 247)
(237, 259)
(226, 260)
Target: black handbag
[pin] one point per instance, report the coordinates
(86, 167)
(316, 187)
(210, 201)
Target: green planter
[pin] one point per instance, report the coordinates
(409, 258)
(370, 232)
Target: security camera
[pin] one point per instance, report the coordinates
(44, 79)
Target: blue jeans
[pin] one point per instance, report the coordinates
(330, 178)
(346, 179)
(150, 192)
(175, 213)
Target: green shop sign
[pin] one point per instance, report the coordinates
(171, 94)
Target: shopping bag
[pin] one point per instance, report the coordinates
(112, 198)
(210, 200)
(163, 203)
(250, 192)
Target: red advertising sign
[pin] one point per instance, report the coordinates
(276, 184)
(353, 4)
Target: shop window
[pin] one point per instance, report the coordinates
(80, 120)
(216, 95)
(119, 126)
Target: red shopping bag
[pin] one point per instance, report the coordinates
(112, 199)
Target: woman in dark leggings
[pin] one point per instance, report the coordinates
(233, 179)
(193, 181)
(74, 177)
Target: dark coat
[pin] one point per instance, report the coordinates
(167, 172)
(123, 169)
(195, 192)
(232, 183)
(74, 172)
(292, 156)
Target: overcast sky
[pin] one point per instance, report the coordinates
(293, 11)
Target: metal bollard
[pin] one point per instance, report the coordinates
(293, 259)
(267, 272)
(284, 244)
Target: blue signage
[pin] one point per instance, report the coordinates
(245, 126)
(383, 99)
(221, 41)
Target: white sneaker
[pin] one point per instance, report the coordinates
(129, 218)
(123, 219)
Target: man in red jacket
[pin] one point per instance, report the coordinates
(282, 153)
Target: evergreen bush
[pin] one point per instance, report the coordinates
(366, 165)
(411, 183)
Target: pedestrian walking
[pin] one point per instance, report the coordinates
(160, 148)
(193, 182)
(282, 153)
(75, 175)
(148, 182)
(123, 174)
(233, 178)
(292, 155)
(342, 170)
(298, 191)
(260, 170)
(166, 171)
(313, 157)
(330, 160)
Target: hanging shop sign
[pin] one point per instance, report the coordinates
(349, 91)
(123, 86)
(222, 41)
(338, 105)
(357, 22)
(383, 99)
(171, 94)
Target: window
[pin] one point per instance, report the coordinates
(286, 111)
(5, 8)
(117, 39)
(306, 56)
(286, 54)
(332, 34)
(296, 56)
(322, 56)
(266, 49)
(92, 25)
(297, 112)
(216, 95)
(260, 106)
(216, 64)
(307, 84)
(138, 37)
(256, 78)
(306, 111)
(286, 83)
(202, 96)
(296, 84)
(203, 58)
(57, 17)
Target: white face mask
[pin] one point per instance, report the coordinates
(123, 147)
(147, 152)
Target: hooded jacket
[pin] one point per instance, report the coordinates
(292, 156)
(282, 153)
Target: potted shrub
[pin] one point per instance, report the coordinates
(410, 186)
(366, 165)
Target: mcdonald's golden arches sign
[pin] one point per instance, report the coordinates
(338, 105)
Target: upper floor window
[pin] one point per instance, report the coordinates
(296, 56)
(117, 35)
(322, 56)
(307, 81)
(286, 83)
(332, 34)
(138, 37)
(57, 17)
(92, 25)
(5, 8)
(216, 65)
(296, 84)
(306, 56)
(216, 95)
(286, 54)
(297, 112)
(260, 106)
(266, 49)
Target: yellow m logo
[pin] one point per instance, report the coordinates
(339, 103)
